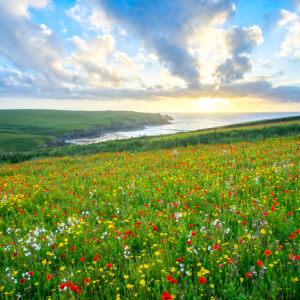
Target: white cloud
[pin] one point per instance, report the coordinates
(226, 54)
(45, 29)
(91, 59)
(291, 23)
(91, 16)
(20, 7)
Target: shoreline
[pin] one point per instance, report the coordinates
(98, 131)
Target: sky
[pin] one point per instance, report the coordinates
(151, 55)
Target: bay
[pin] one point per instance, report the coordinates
(184, 122)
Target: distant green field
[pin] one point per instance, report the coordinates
(60, 122)
(24, 130)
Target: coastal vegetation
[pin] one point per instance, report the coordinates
(251, 131)
(29, 129)
(202, 221)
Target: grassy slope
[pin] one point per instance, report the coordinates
(239, 200)
(253, 131)
(14, 141)
(59, 122)
(25, 130)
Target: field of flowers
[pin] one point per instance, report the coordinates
(211, 221)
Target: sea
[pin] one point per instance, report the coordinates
(184, 122)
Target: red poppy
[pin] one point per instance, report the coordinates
(49, 277)
(230, 261)
(22, 280)
(166, 296)
(296, 257)
(53, 247)
(82, 259)
(30, 273)
(260, 263)
(86, 280)
(169, 277)
(73, 248)
(173, 281)
(62, 286)
(202, 280)
(79, 291)
(154, 228)
(109, 265)
(249, 275)
(268, 252)
(292, 236)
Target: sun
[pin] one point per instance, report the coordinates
(212, 104)
(206, 104)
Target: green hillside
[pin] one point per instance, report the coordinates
(253, 131)
(24, 130)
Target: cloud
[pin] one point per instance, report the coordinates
(91, 16)
(139, 50)
(290, 21)
(20, 8)
(240, 42)
(261, 89)
(164, 27)
(27, 45)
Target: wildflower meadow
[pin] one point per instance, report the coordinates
(206, 221)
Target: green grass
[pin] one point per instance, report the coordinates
(251, 131)
(254, 131)
(14, 141)
(202, 222)
(59, 122)
(25, 130)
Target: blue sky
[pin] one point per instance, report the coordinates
(171, 55)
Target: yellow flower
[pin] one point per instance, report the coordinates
(126, 276)
(62, 268)
(263, 231)
(142, 282)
